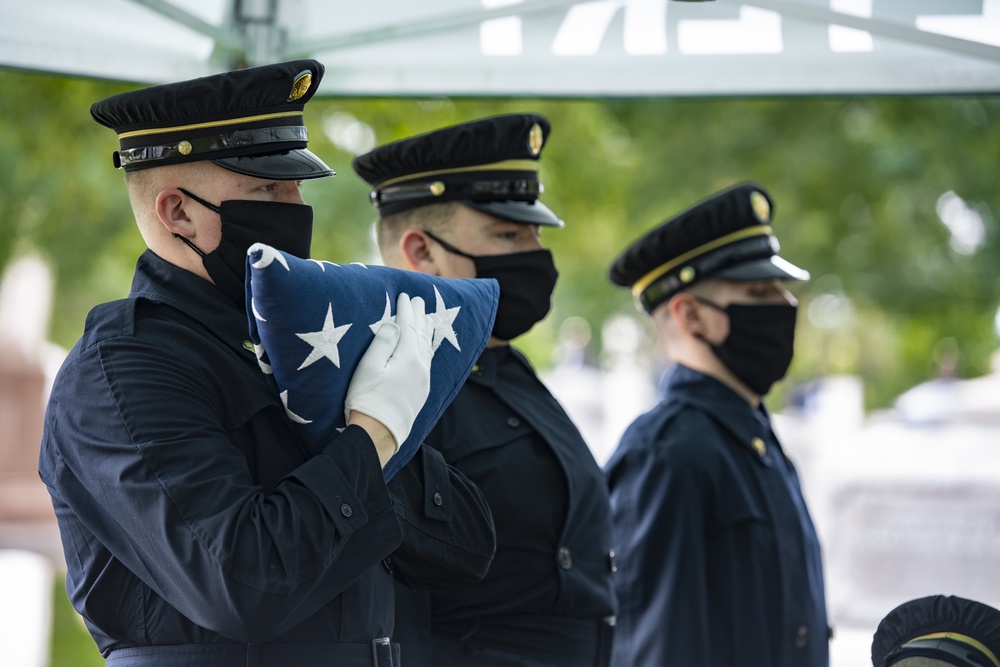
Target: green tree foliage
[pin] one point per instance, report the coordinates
(60, 196)
(861, 186)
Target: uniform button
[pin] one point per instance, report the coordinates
(513, 422)
(346, 510)
(565, 558)
(438, 500)
(801, 637)
(612, 561)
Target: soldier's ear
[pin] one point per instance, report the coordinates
(687, 314)
(171, 209)
(418, 255)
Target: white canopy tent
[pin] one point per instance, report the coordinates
(551, 48)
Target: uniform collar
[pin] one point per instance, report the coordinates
(493, 359)
(485, 370)
(158, 280)
(750, 426)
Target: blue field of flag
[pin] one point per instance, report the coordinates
(311, 321)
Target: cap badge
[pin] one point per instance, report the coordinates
(300, 86)
(184, 148)
(761, 207)
(437, 188)
(535, 139)
(687, 274)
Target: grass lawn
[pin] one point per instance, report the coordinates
(71, 643)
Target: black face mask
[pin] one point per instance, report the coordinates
(760, 344)
(526, 282)
(287, 227)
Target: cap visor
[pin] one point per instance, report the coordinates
(528, 213)
(295, 165)
(766, 268)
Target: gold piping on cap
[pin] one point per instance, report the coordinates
(748, 232)
(214, 123)
(965, 639)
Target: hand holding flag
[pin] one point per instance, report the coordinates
(393, 378)
(311, 323)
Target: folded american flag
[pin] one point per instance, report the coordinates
(311, 321)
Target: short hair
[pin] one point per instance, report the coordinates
(143, 186)
(433, 217)
(137, 181)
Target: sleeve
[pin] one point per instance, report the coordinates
(148, 466)
(448, 533)
(658, 518)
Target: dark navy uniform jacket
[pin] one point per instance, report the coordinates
(191, 514)
(718, 561)
(549, 589)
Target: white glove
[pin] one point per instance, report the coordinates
(393, 378)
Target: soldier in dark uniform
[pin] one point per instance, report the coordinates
(463, 202)
(719, 563)
(938, 631)
(198, 530)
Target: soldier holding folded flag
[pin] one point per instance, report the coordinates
(198, 526)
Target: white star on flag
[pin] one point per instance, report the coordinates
(443, 318)
(256, 313)
(258, 350)
(324, 342)
(386, 316)
(288, 294)
(268, 255)
(321, 263)
(291, 415)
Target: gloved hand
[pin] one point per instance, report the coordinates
(393, 378)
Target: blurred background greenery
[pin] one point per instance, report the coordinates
(890, 202)
(71, 645)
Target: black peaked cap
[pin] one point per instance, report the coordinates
(942, 626)
(248, 120)
(727, 236)
(490, 164)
